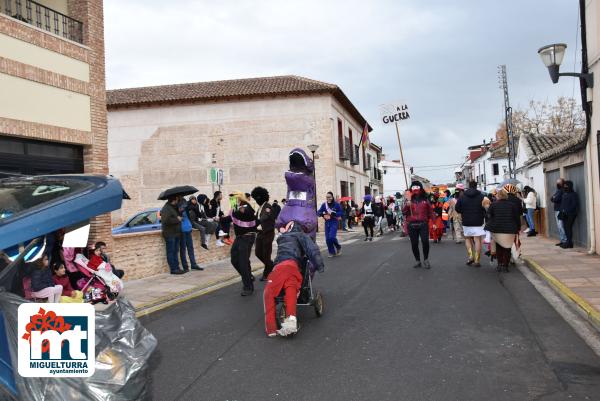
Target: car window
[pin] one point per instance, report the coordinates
(18, 196)
(140, 220)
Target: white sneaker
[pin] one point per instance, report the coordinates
(219, 243)
(525, 231)
(289, 326)
(222, 233)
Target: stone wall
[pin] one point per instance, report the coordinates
(143, 254)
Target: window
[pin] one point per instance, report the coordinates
(344, 188)
(495, 169)
(340, 138)
(351, 139)
(143, 219)
(365, 165)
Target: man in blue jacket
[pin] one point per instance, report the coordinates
(332, 212)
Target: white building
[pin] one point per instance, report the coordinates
(163, 136)
(490, 168)
(395, 177)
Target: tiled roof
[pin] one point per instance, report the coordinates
(227, 90)
(543, 143)
(545, 147)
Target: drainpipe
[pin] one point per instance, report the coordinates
(587, 107)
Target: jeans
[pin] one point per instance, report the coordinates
(561, 229)
(172, 244)
(344, 220)
(333, 245)
(186, 242)
(205, 227)
(240, 258)
(529, 217)
(416, 231)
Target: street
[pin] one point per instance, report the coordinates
(389, 332)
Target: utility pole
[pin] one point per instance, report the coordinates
(508, 121)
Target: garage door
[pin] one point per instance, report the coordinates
(551, 178)
(31, 157)
(580, 229)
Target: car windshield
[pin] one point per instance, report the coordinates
(17, 196)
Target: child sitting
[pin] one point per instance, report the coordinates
(69, 295)
(293, 244)
(42, 285)
(96, 258)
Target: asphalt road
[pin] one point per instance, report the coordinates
(389, 332)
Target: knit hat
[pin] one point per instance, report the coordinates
(460, 187)
(368, 198)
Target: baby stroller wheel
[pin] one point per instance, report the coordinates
(280, 314)
(318, 304)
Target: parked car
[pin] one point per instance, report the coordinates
(148, 220)
(31, 210)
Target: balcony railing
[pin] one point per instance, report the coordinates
(355, 156)
(44, 18)
(346, 154)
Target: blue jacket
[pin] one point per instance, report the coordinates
(41, 278)
(570, 203)
(557, 199)
(334, 210)
(295, 244)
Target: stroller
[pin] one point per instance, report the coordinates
(102, 285)
(307, 296)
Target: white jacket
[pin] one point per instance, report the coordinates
(531, 201)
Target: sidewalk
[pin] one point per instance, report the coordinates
(573, 273)
(154, 293)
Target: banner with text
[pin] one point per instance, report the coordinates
(394, 112)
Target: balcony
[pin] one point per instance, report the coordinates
(346, 154)
(367, 166)
(355, 156)
(376, 174)
(45, 18)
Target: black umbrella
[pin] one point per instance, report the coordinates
(182, 190)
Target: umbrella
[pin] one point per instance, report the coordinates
(181, 190)
(513, 181)
(345, 198)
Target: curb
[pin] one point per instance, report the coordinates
(592, 315)
(181, 296)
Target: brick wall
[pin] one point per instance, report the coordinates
(91, 14)
(95, 157)
(143, 254)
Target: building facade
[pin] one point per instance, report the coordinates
(53, 97)
(396, 178)
(173, 135)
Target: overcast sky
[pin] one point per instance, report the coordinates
(439, 56)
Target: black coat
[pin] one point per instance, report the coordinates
(570, 203)
(470, 207)
(503, 217)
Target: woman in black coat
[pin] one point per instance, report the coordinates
(569, 207)
(504, 222)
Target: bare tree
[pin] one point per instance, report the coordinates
(565, 117)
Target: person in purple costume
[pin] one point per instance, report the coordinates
(301, 203)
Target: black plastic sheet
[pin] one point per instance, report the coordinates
(123, 347)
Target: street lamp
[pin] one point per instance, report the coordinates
(552, 56)
(313, 148)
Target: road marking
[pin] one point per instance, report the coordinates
(350, 241)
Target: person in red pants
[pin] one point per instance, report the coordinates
(292, 246)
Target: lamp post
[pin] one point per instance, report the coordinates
(313, 148)
(552, 57)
